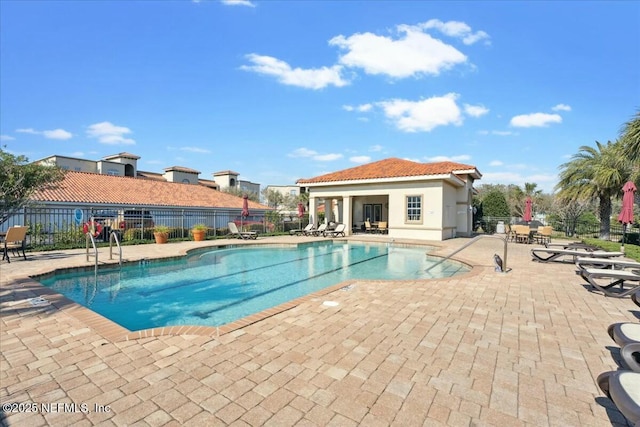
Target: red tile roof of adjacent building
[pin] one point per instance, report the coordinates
(84, 187)
(390, 168)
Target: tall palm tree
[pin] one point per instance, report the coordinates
(595, 173)
(630, 138)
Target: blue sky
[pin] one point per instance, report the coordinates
(282, 90)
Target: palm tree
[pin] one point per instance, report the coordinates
(630, 138)
(595, 174)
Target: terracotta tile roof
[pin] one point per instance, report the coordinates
(389, 168)
(84, 187)
(181, 169)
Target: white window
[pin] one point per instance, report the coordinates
(414, 208)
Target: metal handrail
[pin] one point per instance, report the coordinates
(114, 236)
(471, 242)
(95, 248)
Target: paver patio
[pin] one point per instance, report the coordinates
(483, 348)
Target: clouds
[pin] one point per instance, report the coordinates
(311, 78)
(59, 134)
(312, 154)
(409, 52)
(246, 3)
(422, 115)
(535, 120)
(110, 134)
(413, 53)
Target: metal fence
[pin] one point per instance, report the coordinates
(64, 226)
(571, 229)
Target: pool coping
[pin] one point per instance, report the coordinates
(114, 332)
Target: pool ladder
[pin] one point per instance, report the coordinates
(471, 242)
(112, 237)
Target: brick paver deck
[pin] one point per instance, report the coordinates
(484, 348)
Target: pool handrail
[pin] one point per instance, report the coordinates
(471, 242)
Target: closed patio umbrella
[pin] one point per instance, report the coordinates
(626, 213)
(245, 209)
(300, 214)
(527, 210)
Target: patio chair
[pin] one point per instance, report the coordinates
(15, 240)
(523, 233)
(367, 227)
(382, 227)
(551, 254)
(320, 230)
(233, 230)
(605, 279)
(304, 231)
(543, 235)
(339, 230)
(623, 388)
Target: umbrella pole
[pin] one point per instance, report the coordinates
(624, 232)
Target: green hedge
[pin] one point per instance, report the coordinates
(630, 251)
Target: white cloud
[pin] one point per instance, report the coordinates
(363, 108)
(413, 53)
(195, 150)
(424, 115)
(29, 130)
(535, 120)
(108, 133)
(302, 152)
(305, 152)
(475, 110)
(376, 148)
(6, 138)
(49, 134)
(57, 134)
(312, 78)
(360, 159)
(459, 158)
(545, 182)
(483, 132)
(496, 163)
(561, 107)
(327, 157)
(458, 30)
(238, 3)
(78, 154)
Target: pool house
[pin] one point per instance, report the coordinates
(430, 201)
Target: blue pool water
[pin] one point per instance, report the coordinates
(218, 286)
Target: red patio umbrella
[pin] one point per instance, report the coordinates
(527, 210)
(626, 213)
(300, 214)
(245, 209)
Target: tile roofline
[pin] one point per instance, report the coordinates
(436, 177)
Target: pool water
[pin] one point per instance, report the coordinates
(215, 287)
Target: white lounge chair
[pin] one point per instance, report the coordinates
(339, 230)
(320, 230)
(233, 230)
(584, 263)
(623, 388)
(551, 254)
(627, 336)
(304, 231)
(605, 279)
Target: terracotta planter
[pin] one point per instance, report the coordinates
(198, 235)
(161, 237)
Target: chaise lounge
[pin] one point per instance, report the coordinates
(623, 388)
(15, 240)
(605, 279)
(233, 230)
(550, 254)
(338, 231)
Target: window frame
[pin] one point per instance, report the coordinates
(410, 208)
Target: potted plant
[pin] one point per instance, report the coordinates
(199, 232)
(161, 233)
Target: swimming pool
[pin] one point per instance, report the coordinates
(218, 286)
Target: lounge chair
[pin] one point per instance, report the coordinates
(604, 279)
(570, 245)
(584, 263)
(552, 254)
(623, 388)
(636, 298)
(338, 231)
(320, 230)
(233, 230)
(304, 231)
(15, 240)
(367, 227)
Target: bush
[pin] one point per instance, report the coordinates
(495, 204)
(630, 251)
